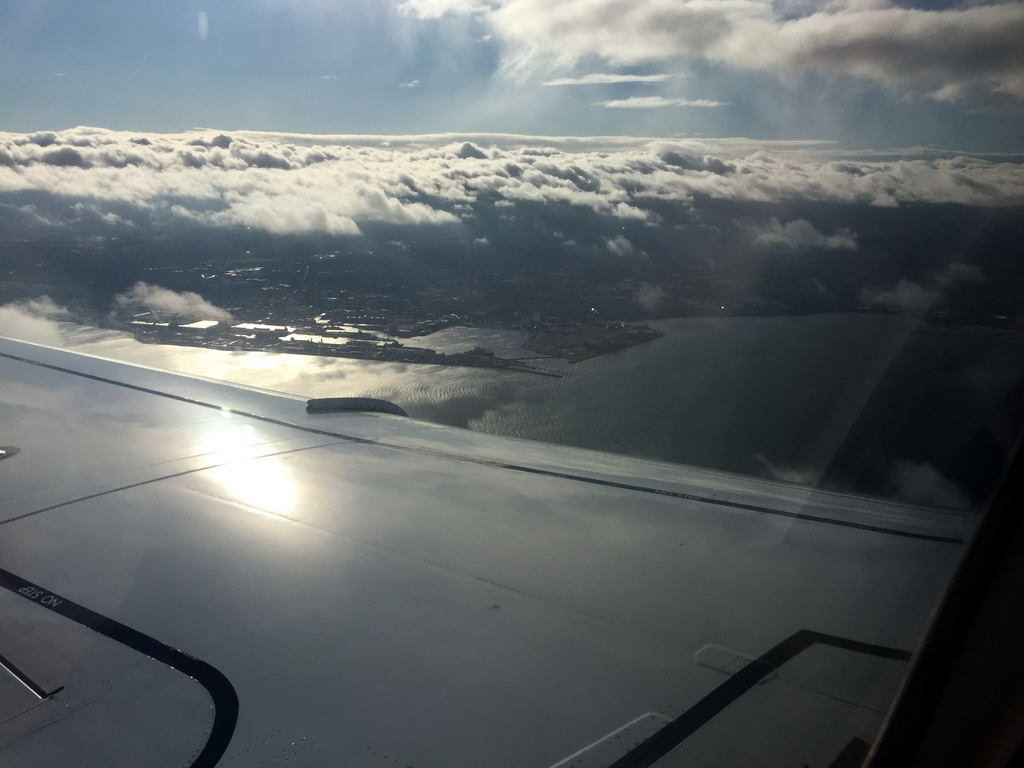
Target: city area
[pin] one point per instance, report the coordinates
(377, 295)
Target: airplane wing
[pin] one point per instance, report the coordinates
(201, 574)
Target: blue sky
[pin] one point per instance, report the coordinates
(864, 73)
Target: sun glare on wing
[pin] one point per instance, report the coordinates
(263, 483)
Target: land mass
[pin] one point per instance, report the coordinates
(579, 342)
(393, 283)
(573, 342)
(582, 341)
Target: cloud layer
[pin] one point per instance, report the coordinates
(333, 184)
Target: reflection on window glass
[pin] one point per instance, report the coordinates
(773, 248)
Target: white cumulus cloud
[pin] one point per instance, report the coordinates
(800, 233)
(168, 304)
(34, 320)
(649, 296)
(621, 246)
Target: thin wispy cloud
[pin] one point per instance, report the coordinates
(600, 78)
(435, 9)
(917, 298)
(657, 102)
(967, 53)
(410, 84)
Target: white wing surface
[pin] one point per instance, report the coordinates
(200, 574)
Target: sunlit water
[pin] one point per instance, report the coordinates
(774, 396)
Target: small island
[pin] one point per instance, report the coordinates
(581, 341)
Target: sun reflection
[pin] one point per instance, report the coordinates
(263, 483)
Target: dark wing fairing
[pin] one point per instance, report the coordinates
(352, 405)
